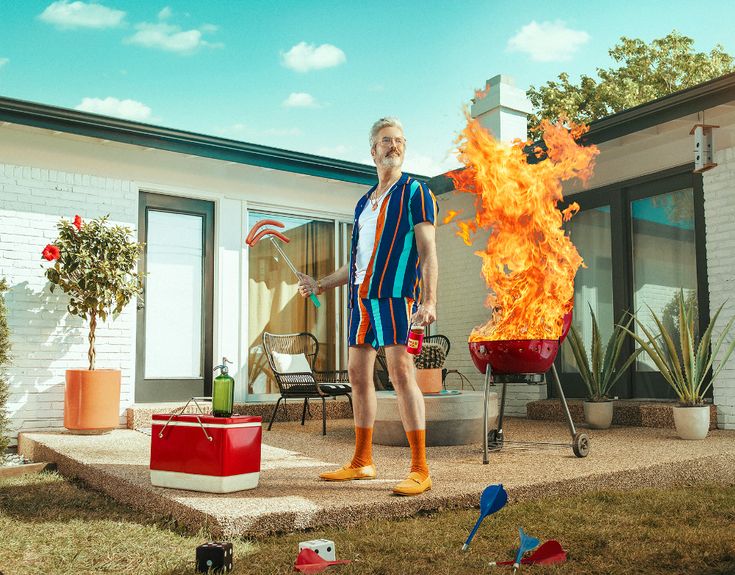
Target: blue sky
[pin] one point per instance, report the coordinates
(312, 76)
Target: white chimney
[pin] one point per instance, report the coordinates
(504, 109)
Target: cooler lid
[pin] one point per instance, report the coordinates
(207, 419)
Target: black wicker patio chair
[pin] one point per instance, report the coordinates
(291, 358)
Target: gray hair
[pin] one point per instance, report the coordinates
(388, 122)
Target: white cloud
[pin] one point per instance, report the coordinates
(165, 13)
(300, 100)
(169, 37)
(282, 132)
(128, 109)
(69, 15)
(428, 165)
(548, 41)
(304, 57)
(339, 151)
(4, 61)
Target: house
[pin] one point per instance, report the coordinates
(648, 226)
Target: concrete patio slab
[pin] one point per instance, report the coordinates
(291, 497)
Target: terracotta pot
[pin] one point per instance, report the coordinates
(429, 380)
(692, 422)
(598, 414)
(92, 399)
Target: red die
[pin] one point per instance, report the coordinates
(206, 453)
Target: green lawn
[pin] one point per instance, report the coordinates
(49, 525)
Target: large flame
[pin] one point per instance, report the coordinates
(528, 263)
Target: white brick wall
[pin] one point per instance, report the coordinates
(460, 305)
(46, 339)
(719, 209)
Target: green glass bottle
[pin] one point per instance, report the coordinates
(223, 391)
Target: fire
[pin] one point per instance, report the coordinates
(528, 263)
(451, 214)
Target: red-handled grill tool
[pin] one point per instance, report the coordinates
(259, 231)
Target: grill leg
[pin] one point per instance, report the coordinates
(563, 399)
(303, 411)
(484, 418)
(502, 407)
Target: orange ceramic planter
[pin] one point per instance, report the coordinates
(429, 380)
(92, 399)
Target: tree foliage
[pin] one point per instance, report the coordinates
(4, 361)
(95, 267)
(644, 72)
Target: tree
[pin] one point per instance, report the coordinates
(646, 72)
(94, 264)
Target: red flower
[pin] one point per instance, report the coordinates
(51, 252)
(78, 222)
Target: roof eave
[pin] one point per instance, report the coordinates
(179, 141)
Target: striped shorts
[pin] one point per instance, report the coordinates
(380, 322)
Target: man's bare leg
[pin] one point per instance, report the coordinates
(360, 365)
(403, 376)
(413, 415)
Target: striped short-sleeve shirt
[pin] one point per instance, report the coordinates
(393, 270)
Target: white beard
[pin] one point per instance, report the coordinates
(391, 162)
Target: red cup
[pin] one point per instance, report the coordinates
(415, 339)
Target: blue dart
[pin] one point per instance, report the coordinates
(492, 499)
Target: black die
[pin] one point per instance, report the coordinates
(214, 557)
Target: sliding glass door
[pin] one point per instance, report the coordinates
(642, 242)
(274, 303)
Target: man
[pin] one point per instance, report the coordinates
(392, 278)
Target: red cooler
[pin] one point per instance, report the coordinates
(206, 453)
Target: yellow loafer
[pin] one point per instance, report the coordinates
(412, 485)
(348, 473)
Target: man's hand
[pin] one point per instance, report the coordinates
(308, 285)
(425, 314)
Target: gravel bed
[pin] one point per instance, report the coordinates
(13, 460)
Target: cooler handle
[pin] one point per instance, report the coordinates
(181, 411)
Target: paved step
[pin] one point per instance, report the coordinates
(289, 496)
(625, 412)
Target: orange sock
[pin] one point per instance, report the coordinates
(417, 441)
(363, 447)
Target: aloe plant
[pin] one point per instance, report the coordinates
(686, 368)
(599, 370)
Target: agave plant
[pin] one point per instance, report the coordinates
(685, 368)
(599, 370)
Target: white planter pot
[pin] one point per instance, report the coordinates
(598, 414)
(692, 422)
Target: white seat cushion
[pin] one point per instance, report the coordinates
(291, 363)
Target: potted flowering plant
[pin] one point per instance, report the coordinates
(94, 264)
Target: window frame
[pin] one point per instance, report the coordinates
(619, 197)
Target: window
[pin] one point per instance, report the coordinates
(643, 241)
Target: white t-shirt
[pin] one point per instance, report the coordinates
(368, 226)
